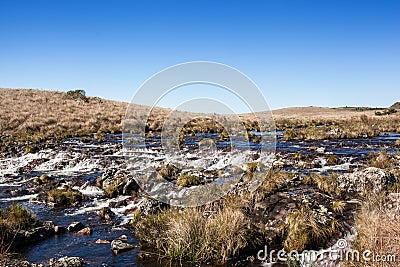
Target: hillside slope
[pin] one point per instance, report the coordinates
(26, 111)
(39, 114)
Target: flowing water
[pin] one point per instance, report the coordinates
(79, 163)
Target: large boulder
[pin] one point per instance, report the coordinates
(365, 182)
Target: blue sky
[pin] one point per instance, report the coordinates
(300, 53)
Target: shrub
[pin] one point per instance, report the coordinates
(13, 219)
(18, 217)
(187, 179)
(169, 171)
(78, 95)
(385, 112)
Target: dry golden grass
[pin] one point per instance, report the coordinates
(39, 114)
(195, 235)
(310, 113)
(303, 228)
(51, 113)
(379, 232)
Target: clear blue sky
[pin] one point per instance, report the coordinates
(300, 53)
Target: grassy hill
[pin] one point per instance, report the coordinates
(51, 113)
(35, 115)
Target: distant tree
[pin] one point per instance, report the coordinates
(78, 94)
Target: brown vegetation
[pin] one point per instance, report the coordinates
(378, 231)
(35, 115)
(196, 234)
(13, 219)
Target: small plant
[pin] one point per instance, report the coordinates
(31, 149)
(333, 160)
(338, 206)
(64, 197)
(99, 137)
(187, 179)
(251, 167)
(395, 188)
(42, 179)
(274, 180)
(111, 190)
(327, 184)
(169, 172)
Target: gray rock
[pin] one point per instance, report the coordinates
(151, 206)
(67, 262)
(118, 246)
(126, 185)
(365, 182)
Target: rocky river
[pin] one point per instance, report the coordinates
(80, 163)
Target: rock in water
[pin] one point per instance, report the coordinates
(118, 246)
(59, 229)
(101, 241)
(75, 227)
(123, 238)
(68, 262)
(32, 236)
(85, 231)
(105, 213)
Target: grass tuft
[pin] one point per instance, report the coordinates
(305, 228)
(64, 197)
(186, 179)
(194, 236)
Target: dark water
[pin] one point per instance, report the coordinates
(70, 244)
